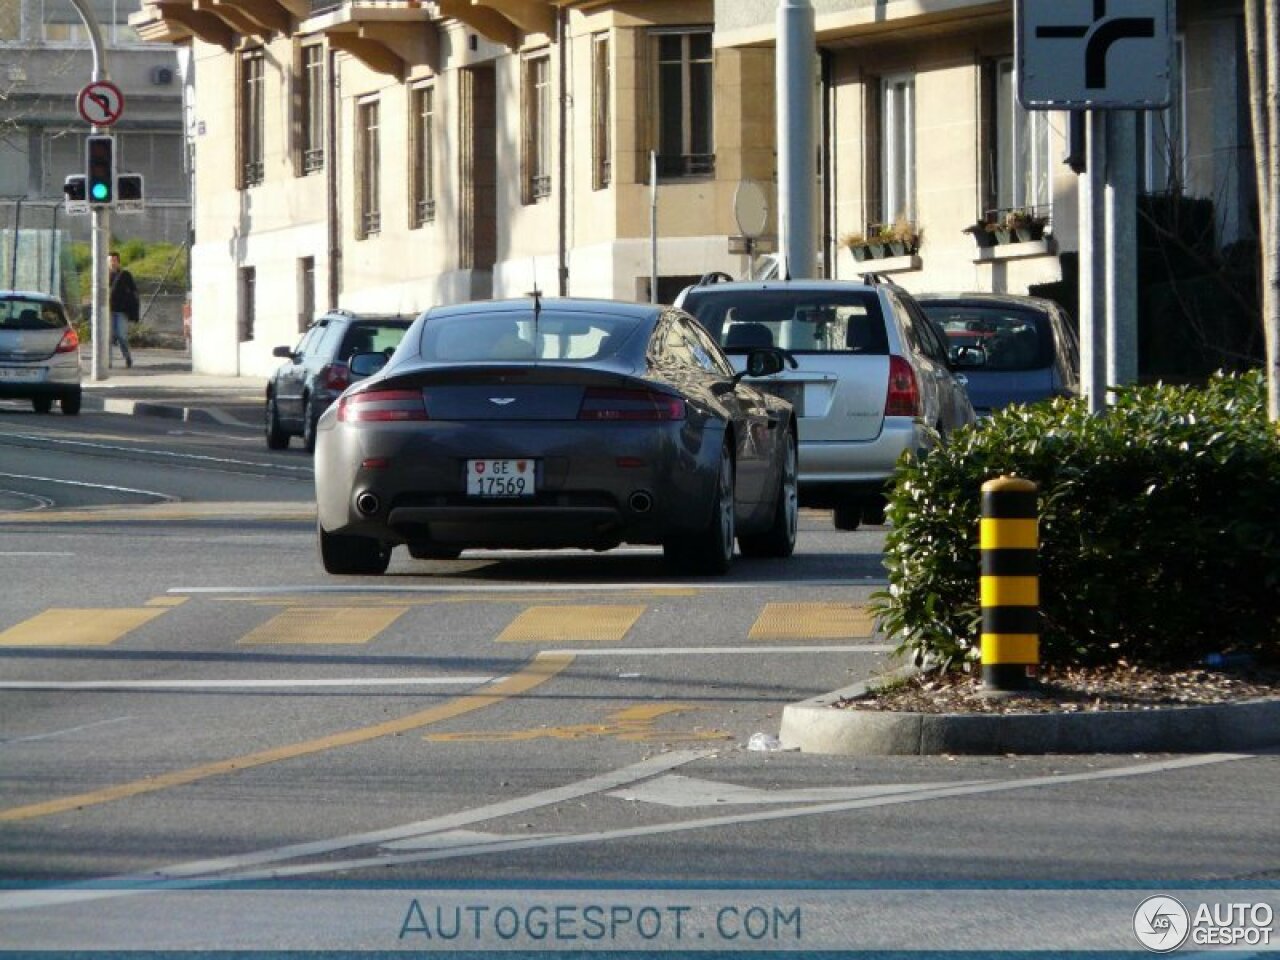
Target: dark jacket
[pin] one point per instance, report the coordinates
(124, 295)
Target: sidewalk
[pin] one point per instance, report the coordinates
(160, 384)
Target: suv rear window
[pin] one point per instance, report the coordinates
(1004, 339)
(371, 338)
(22, 313)
(800, 321)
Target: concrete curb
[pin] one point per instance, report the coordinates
(816, 726)
(145, 408)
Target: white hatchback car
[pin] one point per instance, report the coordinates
(872, 379)
(39, 352)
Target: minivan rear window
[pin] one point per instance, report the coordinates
(997, 339)
(371, 338)
(23, 313)
(800, 321)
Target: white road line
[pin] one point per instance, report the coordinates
(61, 733)
(163, 454)
(36, 553)
(514, 588)
(240, 684)
(712, 651)
(162, 497)
(41, 503)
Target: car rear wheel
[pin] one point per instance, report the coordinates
(847, 516)
(710, 552)
(780, 539)
(345, 554)
(309, 418)
(42, 404)
(433, 551)
(277, 438)
(70, 403)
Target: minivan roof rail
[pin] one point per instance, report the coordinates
(714, 276)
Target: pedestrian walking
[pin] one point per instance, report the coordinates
(124, 307)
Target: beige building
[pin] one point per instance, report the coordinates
(390, 155)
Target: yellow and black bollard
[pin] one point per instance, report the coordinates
(1010, 585)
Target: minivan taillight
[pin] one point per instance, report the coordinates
(70, 341)
(605, 403)
(903, 396)
(382, 406)
(335, 376)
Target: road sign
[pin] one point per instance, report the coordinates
(100, 103)
(1094, 54)
(74, 191)
(129, 193)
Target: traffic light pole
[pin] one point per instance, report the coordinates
(101, 226)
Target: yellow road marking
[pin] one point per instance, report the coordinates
(631, 723)
(810, 621)
(77, 627)
(328, 625)
(543, 668)
(560, 624)
(166, 601)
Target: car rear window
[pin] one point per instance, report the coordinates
(1003, 339)
(22, 313)
(571, 337)
(801, 321)
(371, 338)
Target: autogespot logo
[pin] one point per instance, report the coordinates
(1161, 924)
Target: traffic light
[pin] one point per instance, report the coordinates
(100, 170)
(129, 187)
(73, 188)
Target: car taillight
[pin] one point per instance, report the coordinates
(382, 405)
(335, 376)
(70, 341)
(903, 396)
(602, 403)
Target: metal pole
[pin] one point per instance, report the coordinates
(653, 226)
(13, 250)
(797, 164)
(1121, 214)
(1093, 265)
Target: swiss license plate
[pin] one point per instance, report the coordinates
(500, 478)
(21, 374)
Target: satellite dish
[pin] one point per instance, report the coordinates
(750, 208)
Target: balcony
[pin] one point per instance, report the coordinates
(388, 36)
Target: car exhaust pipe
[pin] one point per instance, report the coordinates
(368, 503)
(641, 501)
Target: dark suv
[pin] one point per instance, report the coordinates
(316, 371)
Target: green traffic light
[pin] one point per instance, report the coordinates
(99, 191)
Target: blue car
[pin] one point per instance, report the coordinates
(1011, 349)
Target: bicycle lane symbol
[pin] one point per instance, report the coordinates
(634, 724)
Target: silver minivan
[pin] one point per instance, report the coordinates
(872, 379)
(39, 352)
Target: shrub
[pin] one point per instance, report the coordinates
(1159, 528)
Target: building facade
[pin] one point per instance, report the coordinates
(387, 155)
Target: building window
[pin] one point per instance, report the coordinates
(537, 128)
(248, 300)
(1162, 144)
(369, 215)
(1020, 170)
(311, 109)
(601, 112)
(252, 118)
(684, 98)
(422, 159)
(306, 292)
(897, 149)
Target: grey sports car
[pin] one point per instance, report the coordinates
(550, 423)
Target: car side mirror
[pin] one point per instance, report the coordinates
(284, 353)
(765, 362)
(366, 364)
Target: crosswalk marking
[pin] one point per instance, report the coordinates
(560, 624)
(331, 625)
(810, 621)
(78, 627)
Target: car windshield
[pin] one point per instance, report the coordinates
(997, 339)
(24, 313)
(801, 321)
(371, 338)
(572, 337)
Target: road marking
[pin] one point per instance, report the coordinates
(676, 790)
(77, 627)
(541, 669)
(60, 733)
(735, 651)
(70, 685)
(170, 510)
(162, 497)
(567, 623)
(455, 838)
(633, 724)
(166, 601)
(811, 621)
(36, 553)
(332, 625)
(134, 450)
(187, 874)
(309, 590)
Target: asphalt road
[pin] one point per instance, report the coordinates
(185, 697)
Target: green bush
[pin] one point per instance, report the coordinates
(1159, 528)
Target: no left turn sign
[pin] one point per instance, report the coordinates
(100, 103)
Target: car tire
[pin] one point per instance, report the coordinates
(847, 516)
(433, 551)
(42, 404)
(710, 552)
(277, 437)
(70, 403)
(780, 539)
(309, 418)
(873, 512)
(345, 554)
